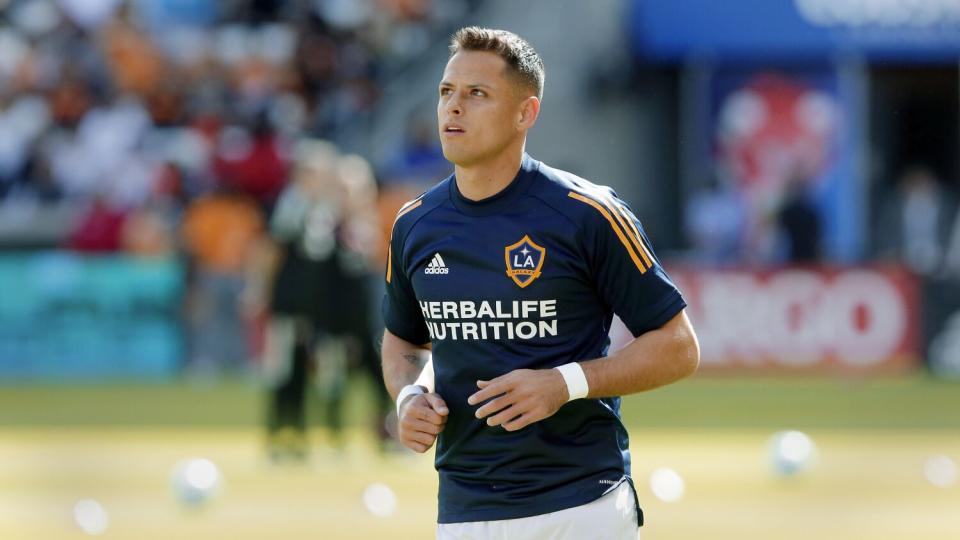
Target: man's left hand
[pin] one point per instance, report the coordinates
(520, 398)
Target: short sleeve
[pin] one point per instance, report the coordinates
(401, 311)
(627, 275)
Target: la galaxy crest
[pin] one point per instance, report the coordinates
(524, 261)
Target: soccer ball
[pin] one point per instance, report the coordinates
(380, 500)
(195, 481)
(667, 485)
(791, 452)
(89, 515)
(940, 471)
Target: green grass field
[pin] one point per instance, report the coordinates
(118, 443)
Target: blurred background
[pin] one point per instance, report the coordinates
(195, 199)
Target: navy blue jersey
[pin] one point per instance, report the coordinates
(527, 278)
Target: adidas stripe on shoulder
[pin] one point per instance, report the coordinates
(621, 221)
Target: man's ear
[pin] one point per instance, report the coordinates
(529, 111)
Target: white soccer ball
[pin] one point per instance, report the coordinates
(380, 500)
(941, 471)
(667, 485)
(90, 517)
(195, 481)
(791, 452)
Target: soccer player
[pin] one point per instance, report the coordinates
(509, 272)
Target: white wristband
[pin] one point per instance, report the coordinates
(576, 380)
(407, 391)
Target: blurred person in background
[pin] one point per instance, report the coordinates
(360, 237)
(942, 308)
(715, 218)
(290, 282)
(914, 221)
(99, 229)
(252, 161)
(420, 157)
(146, 232)
(800, 223)
(219, 232)
(314, 279)
(151, 229)
(952, 256)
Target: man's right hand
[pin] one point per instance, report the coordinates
(422, 417)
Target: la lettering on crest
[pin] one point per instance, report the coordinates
(527, 261)
(524, 260)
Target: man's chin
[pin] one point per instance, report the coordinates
(460, 159)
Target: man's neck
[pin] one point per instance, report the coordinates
(477, 182)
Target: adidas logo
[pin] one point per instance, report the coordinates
(436, 266)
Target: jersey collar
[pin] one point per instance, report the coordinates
(502, 199)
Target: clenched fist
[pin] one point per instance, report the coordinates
(422, 417)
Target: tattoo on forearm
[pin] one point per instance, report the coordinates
(413, 358)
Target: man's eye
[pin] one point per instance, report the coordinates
(480, 93)
(444, 91)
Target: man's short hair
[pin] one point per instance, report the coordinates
(522, 60)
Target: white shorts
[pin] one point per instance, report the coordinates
(611, 517)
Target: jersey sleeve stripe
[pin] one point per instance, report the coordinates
(406, 208)
(389, 262)
(623, 239)
(644, 251)
(623, 218)
(409, 207)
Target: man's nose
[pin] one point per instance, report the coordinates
(453, 106)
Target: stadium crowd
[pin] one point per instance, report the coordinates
(119, 108)
(219, 133)
(168, 127)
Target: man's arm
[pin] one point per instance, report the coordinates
(402, 362)
(654, 359)
(421, 416)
